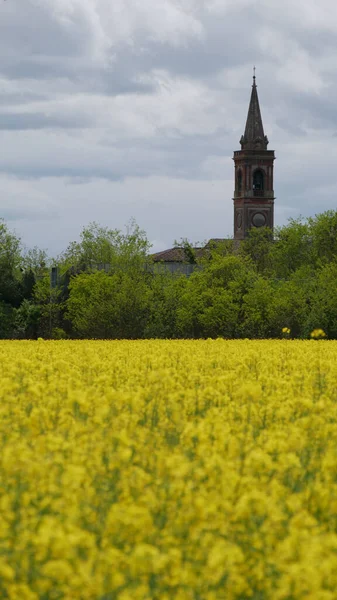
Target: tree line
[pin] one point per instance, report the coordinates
(107, 286)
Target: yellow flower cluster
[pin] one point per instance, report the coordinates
(159, 470)
(318, 333)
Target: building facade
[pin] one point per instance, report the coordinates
(254, 175)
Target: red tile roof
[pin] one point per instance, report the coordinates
(173, 255)
(180, 255)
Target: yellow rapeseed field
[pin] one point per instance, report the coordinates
(185, 470)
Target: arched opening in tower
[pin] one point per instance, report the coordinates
(258, 182)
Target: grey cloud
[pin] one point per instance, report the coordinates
(27, 214)
(227, 43)
(17, 98)
(31, 30)
(26, 121)
(38, 172)
(181, 158)
(316, 43)
(318, 112)
(291, 127)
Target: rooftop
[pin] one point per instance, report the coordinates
(181, 255)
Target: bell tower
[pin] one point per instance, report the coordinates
(254, 168)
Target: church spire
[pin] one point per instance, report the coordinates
(254, 138)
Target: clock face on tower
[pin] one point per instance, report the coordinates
(259, 219)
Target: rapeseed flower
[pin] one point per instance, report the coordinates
(317, 333)
(167, 470)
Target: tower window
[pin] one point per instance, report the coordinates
(258, 180)
(239, 180)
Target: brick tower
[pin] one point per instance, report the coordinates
(254, 166)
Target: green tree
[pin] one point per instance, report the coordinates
(292, 300)
(292, 248)
(211, 305)
(258, 247)
(7, 315)
(101, 305)
(257, 309)
(10, 266)
(28, 282)
(323, 306)
(50, 307)
(165, 292)
(27, 320)
(125, 254)
(37, 261)
(323, 228)
(100, 247)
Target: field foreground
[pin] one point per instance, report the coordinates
(200, 470)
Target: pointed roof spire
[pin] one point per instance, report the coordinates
(254, 138)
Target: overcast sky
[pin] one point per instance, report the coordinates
(112, 109)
